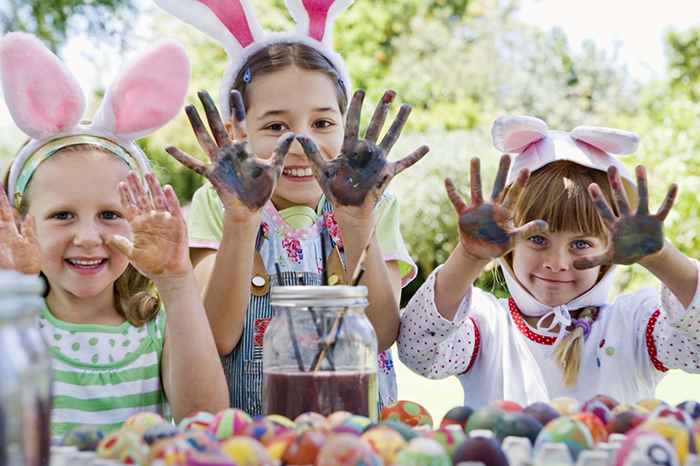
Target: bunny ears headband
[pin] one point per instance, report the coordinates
(537, 146)
(234, 25)
(47, 103)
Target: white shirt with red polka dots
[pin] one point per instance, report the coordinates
(496, 355)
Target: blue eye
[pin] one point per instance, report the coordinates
(109, 215)
(61, 216)
(537, 239)
(580, 244)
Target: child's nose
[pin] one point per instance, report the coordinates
(556, 262)
(87, 235)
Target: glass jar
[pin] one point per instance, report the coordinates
(320, 352)
(25, 373)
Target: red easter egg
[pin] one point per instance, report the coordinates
(304, 449)
(509, 406)
(407, 412)
(594, 424)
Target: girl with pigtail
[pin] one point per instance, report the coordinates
(558, 220)
(113, 256)
(289, 178)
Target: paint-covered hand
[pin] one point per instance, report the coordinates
(486, 227)
(159, 247)
(633, 235)
(243, 181)
(19, 249)
(360, 174)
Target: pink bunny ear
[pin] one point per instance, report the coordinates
(43, 96)
(230, 22)
(512, 134)
(148, 93)
(612, 141)
(315, 18)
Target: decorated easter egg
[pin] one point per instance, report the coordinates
(346, 450)
(636, 408)
(692, 408)
(304, 448)
(279, 443)
(599, 409)
(508, 406)
(170, 452)
(385, 442)
(245, 451)
(262, 431)
(644, 446)
(668, 427)
(229, 422)
(281, 423)
(357, 423)
(200, 440)
(140, 422)
(565, 405)
(686, 442)
(594, 424)
(408, 412)
(423, 451)
(309, 421)
(159, 431)
(406, 432)
(515, 424)
(480, 449)
(199, 420)
(450, 439)
(337, 418)
(123, 445)
(484, 418)
(623, 422)
(542, 412)
(574, 434)
(85, 437)
(345, 430)
(459, 415)
(678, 414)
(608, 401)
(651, 404)
(209, 458)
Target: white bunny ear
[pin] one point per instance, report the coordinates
(148, 93)
(43, 96)
(315, 18)
(612, 141)
(230, 22)
(512, 134)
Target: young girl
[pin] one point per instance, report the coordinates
(101, 245)
(264, 208)
(556, 238)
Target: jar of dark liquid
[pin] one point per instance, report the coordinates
(25, 373)
(320, 352)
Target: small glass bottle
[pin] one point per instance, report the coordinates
(320, 352)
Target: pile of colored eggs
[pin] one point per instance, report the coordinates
(404, 436)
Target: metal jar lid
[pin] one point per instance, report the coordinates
(319, 296)
(13, 283)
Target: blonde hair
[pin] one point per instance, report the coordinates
(135, 296)
(558, 194)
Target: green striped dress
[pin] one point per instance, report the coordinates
(102, 375)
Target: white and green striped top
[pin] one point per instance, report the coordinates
(102, 375)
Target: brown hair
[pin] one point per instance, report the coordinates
(135, 296)
(558, 194)
(281, 56)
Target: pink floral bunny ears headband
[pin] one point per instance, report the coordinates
(47, 103)
(537, 146)
(234, 25)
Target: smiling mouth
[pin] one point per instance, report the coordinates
(554, 282)
(84, 264)
(298, 172)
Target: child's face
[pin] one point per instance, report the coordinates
(543, 264)
(303, 102)
(75, 201)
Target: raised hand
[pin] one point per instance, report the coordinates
(486, 227)
(633, 235)
(159, 248)
(19, 249)
(241, 179)
(360, 174)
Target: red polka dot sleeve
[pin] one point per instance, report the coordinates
(431, 345)
(673, 333)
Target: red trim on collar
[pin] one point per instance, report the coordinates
(526, 330)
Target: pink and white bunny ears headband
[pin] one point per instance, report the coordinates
(536, 146)
(234, 25)
(47, 103)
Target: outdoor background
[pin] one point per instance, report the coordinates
(460, 64)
